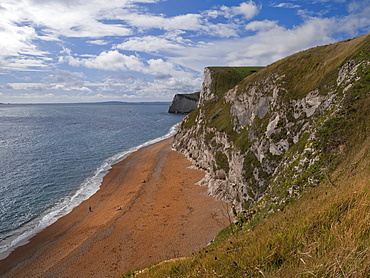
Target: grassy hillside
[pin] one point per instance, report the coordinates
(315, 67)
(325, 230)
(227, 77)
(303, 72)
(324, 234)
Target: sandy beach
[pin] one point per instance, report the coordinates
(148, 209)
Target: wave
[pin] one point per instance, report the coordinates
(89, 187)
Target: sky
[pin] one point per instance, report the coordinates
(68, 51)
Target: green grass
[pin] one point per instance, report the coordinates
(325, 234)
(217, 112)
(193, 96)
(317, 67)
(324, 231)
(225, 78)
(222, 161)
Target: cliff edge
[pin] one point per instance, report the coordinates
(289, 147)
(266, 138)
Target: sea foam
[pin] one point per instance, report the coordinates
(89, 187)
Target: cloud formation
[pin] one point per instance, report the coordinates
(76, 49)
(246, 9)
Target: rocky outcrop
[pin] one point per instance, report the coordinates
(184, 103)
(258, 140)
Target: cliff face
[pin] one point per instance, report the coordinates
(261, 140)
(184, 103)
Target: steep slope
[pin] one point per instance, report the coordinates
(258, 142)
(313, 216)
(326, 233)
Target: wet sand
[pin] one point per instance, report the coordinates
(133, 223)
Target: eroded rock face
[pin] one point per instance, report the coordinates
(267, 133)
(184, 103)
(207, 92)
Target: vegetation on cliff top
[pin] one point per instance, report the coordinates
(193, 96)
(227, 77)
(325, 231)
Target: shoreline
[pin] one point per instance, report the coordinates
(132, 223)
(93, 185)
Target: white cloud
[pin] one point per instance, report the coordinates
(25, 63)
(67, 78)
(24, 22)
(107, 60)
(33, 96)
(63, 18)
(115, 61)
(277, 42)
(189, 22)
(98, 42)
(149, 44)
(90, 19)
(162, 89)
(166, 88)
(158, 67)
(125, 88)
(222, 30)
(358, 18)
(270, 43)
(28, 86)
(194, 22)
(15, 40)
(182, 44)
(96, 29)
(261, 25)
(247, 9)
(286, 5)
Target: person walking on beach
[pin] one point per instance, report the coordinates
(90, 209)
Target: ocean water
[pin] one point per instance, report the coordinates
(54, 156)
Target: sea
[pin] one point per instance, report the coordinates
(54, 156)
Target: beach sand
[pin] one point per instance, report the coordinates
(133, 224)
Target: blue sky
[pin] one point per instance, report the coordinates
(149, 50)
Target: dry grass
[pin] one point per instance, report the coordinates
(324, 233)
(312, 68)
